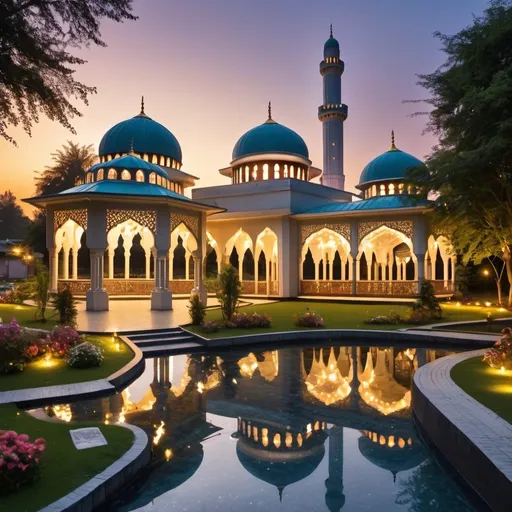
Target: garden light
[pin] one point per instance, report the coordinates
(502, 369)
(487, 304)
(486, 272)
(118, 346)
(458, 304)
(477, 303)
(48, 360)
(168, 455)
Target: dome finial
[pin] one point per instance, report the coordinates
(142, 106)
(330, 30)
(393, 147)
(270, 111)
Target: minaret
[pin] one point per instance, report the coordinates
(332, 114)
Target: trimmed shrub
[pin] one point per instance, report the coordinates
(245, 321)
(65, 304)
(85, 355)
(19, 460)
(427, 307)
(196, 310)
(309, 319)
(229, 292)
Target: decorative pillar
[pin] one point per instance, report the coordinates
(354, 250)
(111, 254)
(65, 261)
(161, 297)
(54, 269)
(420, 245)
(317, 270)
(268, 267)
(97, 296)
(445, 271)
(147, 254)
(127, 244)
(74, 256)
(187, 265)
(256, 273)
(369, 271)
(171, 265)
(199, 288)
(240, 265)
(453, 274)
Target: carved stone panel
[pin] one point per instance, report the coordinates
(306, 230)
(60, 217)
(190, 221)
(404, 226)
(146, 218)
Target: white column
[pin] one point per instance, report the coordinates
(171, 264)
(147, 254)
(127, 244)
(187, 265)
(161, 297)
(65, 261)
(267, 275)
(369, 270)
(328, 267)
(74, 255)
(453, 272)
(240, 266)
(256, 273)
(54, 269)
(111, 253)
(317, 269)
(199, 288)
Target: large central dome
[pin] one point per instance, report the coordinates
(270, 137)
(147, 136)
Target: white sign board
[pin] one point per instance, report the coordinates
(84, 438)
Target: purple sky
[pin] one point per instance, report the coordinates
(207, 70)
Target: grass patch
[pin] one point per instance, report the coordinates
(37, 374)
(25, 316)
(339, 316)
(63, 467)
(488, 386)
(482, 328)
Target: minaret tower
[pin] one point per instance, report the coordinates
(332, 114)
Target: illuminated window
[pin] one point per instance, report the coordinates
(265, 171)
(400, 188)
(158, 179)
(99, 175)
(276, 172)
(277, 440)
(125, 175)
(112, 174)
(139, 176)
(146, 157)
(285, 171)
(109, 157)
(374, 190)
(246, 173)
(391, 189)
(117, 155)
(292, 172)
(299, 439)
(288, 440)
(409, 189)
(255, 172)
(255, 433)
(152, 178)
(383, 190)
(168, 162)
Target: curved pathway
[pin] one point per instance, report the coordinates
(475, 440)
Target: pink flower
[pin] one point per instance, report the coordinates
(23, 467)
(11, 465)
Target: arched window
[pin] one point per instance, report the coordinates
(400, 188)
(112, 174)
(255, 172)
(125, 175)
(285, 171)
(276, 172)
(391, 189)
(139, 176)
(146, 157)
(246, 173)
(109, 157)
(99, 175)
(383, 190)
(292, 172)
(265, 171)
(374, 190)
(117, 155)
(159, 179)
(152, 178)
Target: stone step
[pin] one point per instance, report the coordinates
(141, 335)
(165, 340)
(175, 348)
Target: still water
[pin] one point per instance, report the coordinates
(313, 429)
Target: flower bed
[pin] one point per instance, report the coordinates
(500, 355)
(19, 460)
(309, 319)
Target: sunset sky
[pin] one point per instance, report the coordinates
(208, 68)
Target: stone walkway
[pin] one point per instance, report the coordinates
(133, 315)
(486, 430)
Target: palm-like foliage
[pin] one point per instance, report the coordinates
(37, 289)
(69, 164)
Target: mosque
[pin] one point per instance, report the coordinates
(287, 234)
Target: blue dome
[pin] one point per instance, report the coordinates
(130, 162)
(331, 43)
(270, 137)
(392, 164)
(147, 135)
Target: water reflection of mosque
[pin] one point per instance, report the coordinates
(287, 403)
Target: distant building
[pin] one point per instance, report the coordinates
(12, 265)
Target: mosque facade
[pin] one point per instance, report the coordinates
(291, 229)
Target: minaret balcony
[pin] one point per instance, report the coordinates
(335, 65)
(332, 110)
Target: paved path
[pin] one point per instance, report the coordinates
(487, 431)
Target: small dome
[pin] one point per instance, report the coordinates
(130, 162)
(270, 137)
(391, 165)
(147, 135)
(331, 43)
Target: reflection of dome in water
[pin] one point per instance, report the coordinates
(280, 456)
(393, 453)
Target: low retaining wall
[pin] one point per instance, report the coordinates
(103, 486)
(474, 440)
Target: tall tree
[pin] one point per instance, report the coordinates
(470, 170)
(37, 66)
(13, 222)
(69, 164)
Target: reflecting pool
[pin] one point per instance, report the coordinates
(323, 428)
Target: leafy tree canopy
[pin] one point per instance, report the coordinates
(37, 68)
(13, 222)
(69, 164)
(470, 170)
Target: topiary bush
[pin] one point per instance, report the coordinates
(85, 355)
(427, 306)
(196, 310)
(309, 319)
(64, 303)
(229, 292)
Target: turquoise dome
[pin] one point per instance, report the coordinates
(270, 137)
(147, 135)
(331, 43)
(130, 162)
(391, 165)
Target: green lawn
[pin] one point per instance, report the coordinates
(490, 387)
(341, 316)
(25, 316)
(38, 374)
(63, 467)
